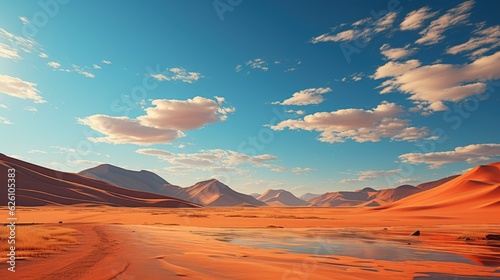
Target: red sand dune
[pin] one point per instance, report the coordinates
(214, 193)
(281, 198)
(211, 192)
(371, 197)
(477, 189)
(37, 186)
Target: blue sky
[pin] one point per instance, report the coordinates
(308, 97)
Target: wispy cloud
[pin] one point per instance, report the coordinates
(8, 52)
(434, 33)
(4, 120)
(24, 20)
(215, 160)
(12, 45)
(31, 109)
(415, 19)
(431, 85)
(258, 63)
(397, 53)
(367, 175)
(253, 64)
(82, 71)
(471, 154)
(19, 88)
(106, 62)
(178, 74)
(363, 30)
(310, 96)
(36, 152)
(54, 64)
(483, 41)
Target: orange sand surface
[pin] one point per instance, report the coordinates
(250, 243)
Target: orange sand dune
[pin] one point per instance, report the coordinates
(214, 193)
(281, 198)
(36, 186)
(477, 189)
(370, 197)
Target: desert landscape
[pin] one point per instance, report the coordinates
(235, 140)
(76, 234)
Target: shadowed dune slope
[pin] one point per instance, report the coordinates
(281, 198)
(214, 193)
(144, 181)
(477, 189)
(37, 186)
(370, 197)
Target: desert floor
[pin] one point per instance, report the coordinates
(252, 243)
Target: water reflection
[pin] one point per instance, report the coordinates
(366, 250)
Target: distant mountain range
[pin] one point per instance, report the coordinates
(114, 186)
(281, 198)
(208, 193)
(371, 197)
(37, 186)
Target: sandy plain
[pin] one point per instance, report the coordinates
(256, 243)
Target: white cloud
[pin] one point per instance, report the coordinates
(258, 63)
(310, 96)
(347, 35)
(8, 52)
(3, 106)
(31, 109)
(87, 162)
(471, 154)
(366, 175)
(301, 170)
(396, 53)
(12, 45)
(363, 30)
(106, 62)
(432, 84)
(385, 22)
(160, 77)
(238, 68)
(394, 69)
(43, 55)
(176, 74)
(83, 72)
(4, 120)
(162, 123)
(434, 33)
(123, 130)
(36, 152)
(184, 114)
(298, 112)
(54, 64)
(415, 19)
(215, 160)
(24, 20)
(96, 66)
(16, 87)
(358, 124)
(483, 41)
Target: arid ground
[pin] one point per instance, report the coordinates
(252, 243)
